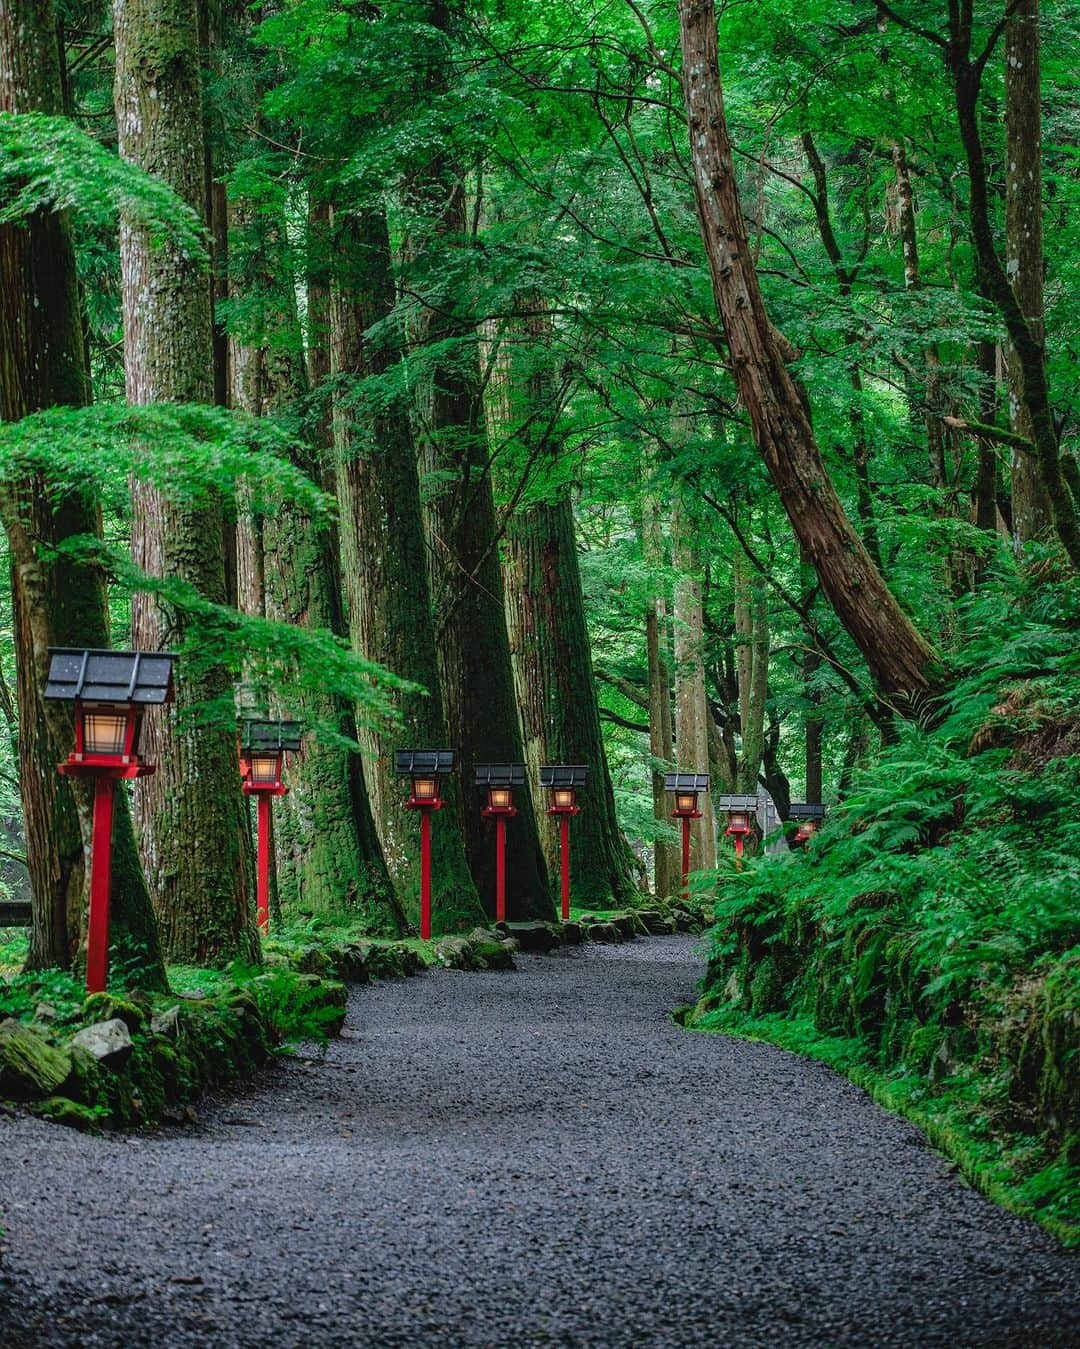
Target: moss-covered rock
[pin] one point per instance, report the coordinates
(108, 1007)
(604, 932)
(493, 955)
(312, 960)
(30, 1067)
(455, 953)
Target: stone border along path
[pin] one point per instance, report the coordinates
(530, 1158)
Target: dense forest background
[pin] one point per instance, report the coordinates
(638, 384)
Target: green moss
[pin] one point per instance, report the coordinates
(75, 1115)
(107, 1007)
(30, 1067)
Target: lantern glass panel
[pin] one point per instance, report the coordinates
(564, 797)
(265, 768)
(738, 819)
(499, 798)
(425, 789)
(104, 732)
(686, 802)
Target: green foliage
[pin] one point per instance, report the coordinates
(928, 939)
(58, 991)
(50, 164)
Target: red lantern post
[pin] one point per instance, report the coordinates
(424, 767)
(500, 781)
(686, 787)
(110, 690)
(563, 780)
(263, 747)
(742, 816)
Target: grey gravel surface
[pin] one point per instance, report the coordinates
(521, 1159)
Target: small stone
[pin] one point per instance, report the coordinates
(109, 1041)
(168, 1023)
(44, 1011)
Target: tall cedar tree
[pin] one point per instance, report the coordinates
(384, 570)
(545, 616)
(902, 662)
(326, 847)
(473, 648)
(557, 695)
(190, 814)
(43, 364)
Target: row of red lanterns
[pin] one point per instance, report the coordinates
(112, 689)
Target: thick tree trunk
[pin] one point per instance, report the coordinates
(190, 814)
(545, 616)
(692, 715)
(556, 695)
(43, 364)
(386, 580)
(1032, 513)
(326, 849)
(462, 531)
(901, 661)
(474, 650)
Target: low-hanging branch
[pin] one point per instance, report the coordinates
(607, 715)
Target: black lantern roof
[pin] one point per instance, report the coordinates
(804, 810)
(419, 762)
(110, 676)
(563, 774)
(736, 803)
(500, 775)
(267, 737)
(686, 782)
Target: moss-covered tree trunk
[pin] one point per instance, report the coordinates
(549, 644)
(385, 573)
(327, 853)
(190, 814)
(55, 603)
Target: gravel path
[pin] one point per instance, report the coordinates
(521, 1159)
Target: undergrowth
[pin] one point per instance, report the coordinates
(927, 942)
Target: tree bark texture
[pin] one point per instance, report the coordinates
(326, 849)
(385, 574)
(190, 815)
(901, 661)
(54, 602)
(473, 647)
(549, 644)
(1032, 512)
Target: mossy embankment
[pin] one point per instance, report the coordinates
(928, 942)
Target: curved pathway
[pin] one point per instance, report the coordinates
(536, 1158)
